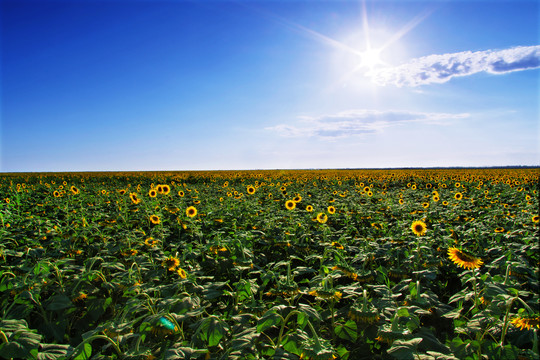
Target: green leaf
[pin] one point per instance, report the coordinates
(402, 312)
(404, 349)
(84, 352)
(302, 320)
(21, 341)
(211, 331)
(268, 320)
(52, 351)
(347, 331)
(59, 302)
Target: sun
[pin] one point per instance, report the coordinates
(370, 58)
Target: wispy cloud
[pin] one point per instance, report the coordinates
(441, 68)
(357, 122)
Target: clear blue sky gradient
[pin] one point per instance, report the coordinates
(202, 85)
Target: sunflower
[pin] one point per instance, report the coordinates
(152, 193)
(191, 211)
(182, 273)
(250, 190)
(122, 191)
(297, 199)
(331, 210)
(436, 198)
(159, 189)
(526, 322)
(309, 208)
(134, 198)
(464, 260)
(458, 196)
(289, 204)
(74, 190)
(337, 245)
(154, 219)
(80, 298)
(536, 218)
(181, 193)
(419, 227)
(326, 294)
(171, 263)
(425, 205)
(165, 189)
(499, 230)
(322, 218)
(401, 201)
(150, 242)
(56, 193)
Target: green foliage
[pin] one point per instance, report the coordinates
(89, 270)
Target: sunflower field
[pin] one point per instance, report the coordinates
(326, 264)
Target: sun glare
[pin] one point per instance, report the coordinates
(370, 58)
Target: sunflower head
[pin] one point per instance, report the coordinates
(309, 208)
(419, 227)
(134, 198)
(464, 260)
(182, 273)
(152, 193)
(154, 219)
(458, 196)
(171, 263)
(331, 210)
(322, 218)
(191, 211)
(250, 190)
(290, 204)
(526, 322)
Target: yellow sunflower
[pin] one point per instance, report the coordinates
(191, 211)
(165, 189)
(290, 205)
(134, 198)
(419, 227)
(154, 219)
(536, 218)
(331, 210)
(309, 208)
(250, 190)
(499, 230)
(74, 190)
(152, 193)
(182, 273)
(322, 218)
(458, 196)
(526, 322)
(171, 263)
(464, 260)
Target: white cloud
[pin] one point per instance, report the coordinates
(441, 68)
(357, 122)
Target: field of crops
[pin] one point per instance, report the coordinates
(341, 264)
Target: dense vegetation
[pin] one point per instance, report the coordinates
(367, 264)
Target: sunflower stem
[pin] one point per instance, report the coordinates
(294, 312)
(535, 343)
(507, 273)
(3, 337)
(505, 323)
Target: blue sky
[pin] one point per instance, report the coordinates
(203, 85)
